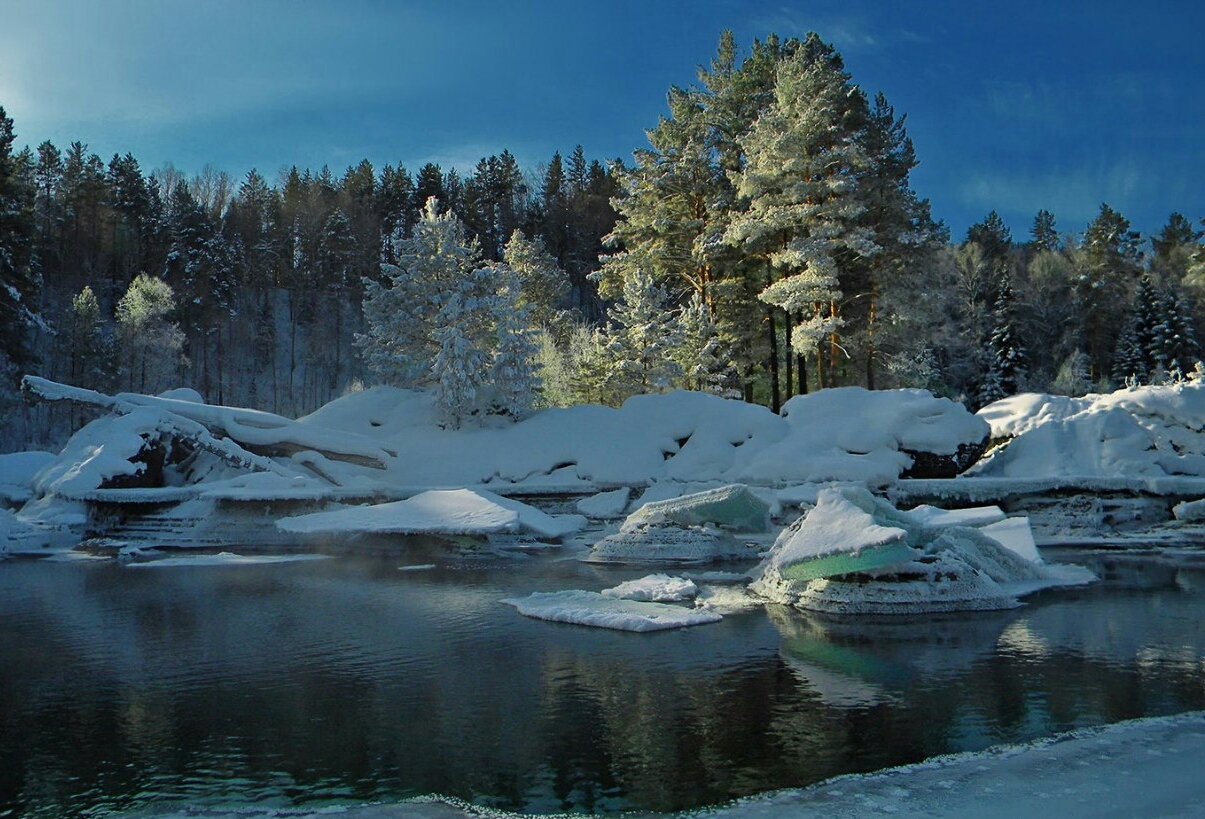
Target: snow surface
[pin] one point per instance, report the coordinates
(587, 608)
(1147, 432)
(655, 588)
(837, 434)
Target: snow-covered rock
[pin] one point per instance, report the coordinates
(588, 608)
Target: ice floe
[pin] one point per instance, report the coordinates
(589, 608)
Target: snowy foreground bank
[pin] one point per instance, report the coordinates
(1147, 768)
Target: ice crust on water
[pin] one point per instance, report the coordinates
(587, 608)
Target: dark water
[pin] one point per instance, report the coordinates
(347, 680)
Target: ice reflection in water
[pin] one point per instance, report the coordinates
(347, 680)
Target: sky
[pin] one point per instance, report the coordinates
(1012, 107)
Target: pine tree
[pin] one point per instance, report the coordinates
(18, 280)
(803, 200)
(1045, 236)
(513, 371)
(543, 286)
(1108, 265)
(1005, 355)
(85, 348)
(641, 339)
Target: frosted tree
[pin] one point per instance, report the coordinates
(149, 342)
(85, 350)
(1004, 353)
(800, 183)
(402, 313)
(642, 338)
(460, 365)
(700, 354)
(543, 286)
(513, 371)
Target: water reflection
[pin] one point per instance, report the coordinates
(347, 680)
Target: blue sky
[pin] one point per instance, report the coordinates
(1012, 107)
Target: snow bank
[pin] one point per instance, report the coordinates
(1141, 432)
(438, 511)
(857, 554)
(17, 471)
(587, 608)
(837, 434)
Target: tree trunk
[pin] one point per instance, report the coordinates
(775, 393)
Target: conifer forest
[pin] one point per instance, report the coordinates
(767, 241)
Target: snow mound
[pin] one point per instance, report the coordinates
(438, 511)
(588, 608)
(857, 554)
(645, 544)
(836, 434)
(1139, 432)
(655, 588)
(732, 507)
(17, 471)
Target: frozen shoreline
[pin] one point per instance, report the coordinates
(1145, 767)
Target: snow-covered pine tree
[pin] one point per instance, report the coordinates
(641, 339)
(459, 367)
(513, 372)
(543, 286)
(700, 354)
(800, 186)
(1004, 354)
(402, 313)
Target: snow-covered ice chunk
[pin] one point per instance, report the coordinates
(1016, 535)
(655, 588)
(536, 520)
(732, 507)
(856, 554)
(932, 517)
(265, 486)
(657, 544)
(1189, 511)
(840, 535)
(588, 608)
(605, 504)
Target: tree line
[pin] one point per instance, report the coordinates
(767, 242)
